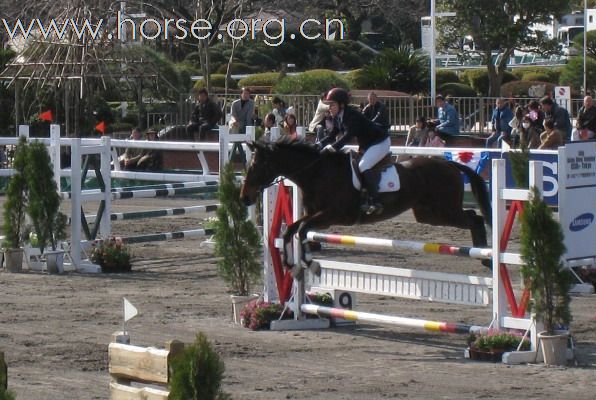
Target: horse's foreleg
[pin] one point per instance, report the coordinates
(318, 219)
(479, 236)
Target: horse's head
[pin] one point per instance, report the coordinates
(260, 172)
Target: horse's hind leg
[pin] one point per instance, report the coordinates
(479, 236)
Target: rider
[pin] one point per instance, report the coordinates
(373, 141)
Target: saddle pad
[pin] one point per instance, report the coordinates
(389, 179)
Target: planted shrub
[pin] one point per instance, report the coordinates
(262, 79)
(457, 90)
(526, 89)
(446, 76)
(219, 81)
(112, 255)
(315, 81)
(478, 79)
(197, 372)
(537, 76)
(15, 205)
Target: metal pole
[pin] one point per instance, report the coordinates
(433, 88)
(585, 46)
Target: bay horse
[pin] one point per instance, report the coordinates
(432, 187)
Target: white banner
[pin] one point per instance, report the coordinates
(577, 198)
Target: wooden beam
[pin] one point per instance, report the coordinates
(146, 364)
(123, 392)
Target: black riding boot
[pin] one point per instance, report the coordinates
(371, 181)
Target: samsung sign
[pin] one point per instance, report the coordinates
(581, 222)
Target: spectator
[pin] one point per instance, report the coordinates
(559, 115)
(205, 116)
(448, 119)
(268, 123)
(279, 111)
(536, 116)
(418, 133)
(528, 135)
(433, 139)
(501, 117)
(376, 111)
(516, 125)
(290, 126)
(242, 112)
(586, 121)
(131, 156)
(152, 159)
(551, 138)
(317, 125)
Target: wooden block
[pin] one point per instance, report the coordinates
(123, 392)
(146, 364)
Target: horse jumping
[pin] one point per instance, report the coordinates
(433, 188)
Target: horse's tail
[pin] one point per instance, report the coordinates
(478, 190)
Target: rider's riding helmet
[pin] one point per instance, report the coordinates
(339, 95)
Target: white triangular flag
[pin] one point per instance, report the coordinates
(130, 311)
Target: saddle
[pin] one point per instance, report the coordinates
(389, 181)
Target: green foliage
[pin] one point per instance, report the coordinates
(478, 79)
(259, 314)
(235, 68)
(15, 206)
(356, 79)
(457, 90)
(237, 241)
(578, 42)
(112, 255)
(497, 340)
(321, 299)
(197, 372)
(520, 165)
(262, 79)
(217, 81)
(573, 73)
(545, 74)
(315, 81)
(542, 247)
(400, 69)
(446, 76)
(44, 201)
(4, 394)
(526, 89)
(350, 53)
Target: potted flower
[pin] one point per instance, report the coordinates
(542, 247)
(44, 205)
(258, 314)
(112, 255)
(237, 243)
(490, 346)
(15, 208)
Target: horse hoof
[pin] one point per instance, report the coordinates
(297, 272)
(315, 268)
(488, 263)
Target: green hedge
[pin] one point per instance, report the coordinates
(235, 68)
(263, 79)
(219, 81)
(478, 79)
(549, 74)
(356, 79)
(520, 88)
(315, 81)
(457, 90)
(446, 76)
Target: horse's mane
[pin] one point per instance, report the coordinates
(301, 144)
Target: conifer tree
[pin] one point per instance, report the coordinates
(15, 205)
(237, 240)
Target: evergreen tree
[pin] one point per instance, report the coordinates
(542, 247)
(197, 372)
(237, 240)
(16, 198)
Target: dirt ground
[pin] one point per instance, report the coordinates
(55, 329)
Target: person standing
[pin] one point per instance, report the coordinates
(501, 130)
(585, 126)
(243, 111)
(376, 111)
(559, 115)
(205, 116)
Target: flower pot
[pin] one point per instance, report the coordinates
(486, 355)
(14, 260)
(238, 303)
(554, 348)
(55, 261)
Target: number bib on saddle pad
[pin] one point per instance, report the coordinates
(389, 178)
